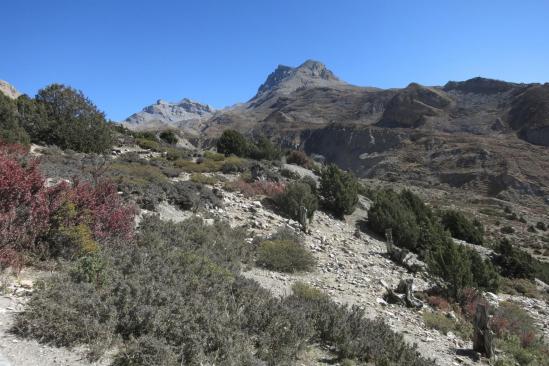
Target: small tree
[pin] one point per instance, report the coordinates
(461, 227)
(169, 137)
(10, 128)
(232, 142)
(75, 122)
(296, 197)
(339, 190)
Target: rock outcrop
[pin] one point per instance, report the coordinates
(8, 90)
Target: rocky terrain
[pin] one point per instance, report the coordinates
(482, 134)
(8, 90)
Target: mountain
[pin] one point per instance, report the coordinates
(8, 90)
(184, 114)
(487, 135)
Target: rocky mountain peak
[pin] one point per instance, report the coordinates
(286, 79)
(164, 112)
(8, 90)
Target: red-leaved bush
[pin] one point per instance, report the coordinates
(258, 188)
(29, 210)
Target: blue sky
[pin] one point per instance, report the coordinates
(127, 54)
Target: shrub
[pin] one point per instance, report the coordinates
(11, 130)
(74, 121)
(213, 156)
(445, 324)
(24, 206)
(307, 292)
(37, 219)
(299, 158)
(175, 297)
(296, 196)
(264, 149)
(513, 262)
(169, 137)
(339, 190)
(148, 144)
(232, 142)
(511, 319)
(257, 188)
(284, 256)
(541, 226)
(438, 302)
(461, 227)
(507, 230)
(203, 179)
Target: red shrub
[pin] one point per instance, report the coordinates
(23, 199)
(258, 188)
(29, 209)
(299, 158)
(438, 302)
(469, 300)
(510, 318)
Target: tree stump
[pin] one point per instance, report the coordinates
(483, 340)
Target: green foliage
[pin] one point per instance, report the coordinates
(264, 149)
(295, 196)
(307, 292)
(541, 226)
(148, 144)
(11, 130)
(175, 297)
(445, 324)
(284, 256)
(415, 227)
(339, 190)
(232, 142)
(73, 122)
(211, 155)
(461, 227)
(507, 230)
(203, 179)
(513, 262)
(169, 137)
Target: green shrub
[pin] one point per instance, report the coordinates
(175, 296)
(295, 197)
(169, 137)
(513, 262)
(203, 179)
(507, 230)
(445, 324)
(461, 227)
(284, 256)
(11, 130)
(232, 142)
(213, 156)
(148, 144)
(307, 292)
(264, 149)
(339, 190)
(541, 226)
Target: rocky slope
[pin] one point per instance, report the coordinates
(488, 135)
(8, 90)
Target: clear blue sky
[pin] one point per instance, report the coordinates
(125, 54)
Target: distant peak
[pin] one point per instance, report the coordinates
(480, 85)
(286, 79)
